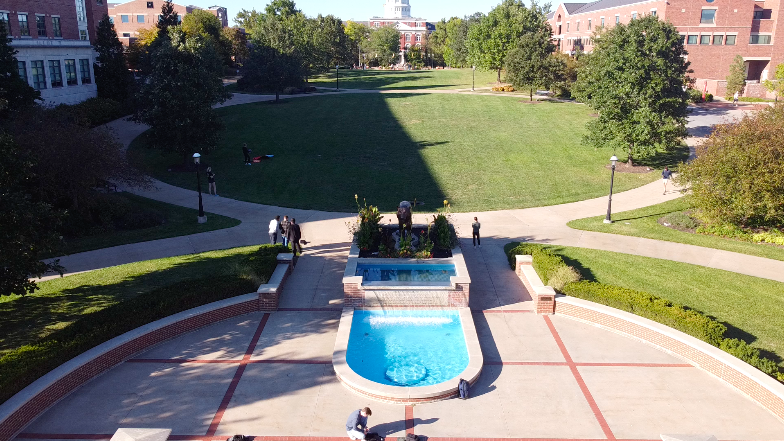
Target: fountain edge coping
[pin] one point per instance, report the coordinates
(399, 394)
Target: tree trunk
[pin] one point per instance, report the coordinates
(499, 75)
(630, 162)
(531, 94)
(277, 96)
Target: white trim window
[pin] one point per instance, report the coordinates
(760, 39)
(708, 16)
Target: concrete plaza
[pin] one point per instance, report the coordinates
(270, 375)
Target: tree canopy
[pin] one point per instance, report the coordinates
(528, 65)
(777, 84)
(15, 93)
(490, 40)
(269, 69)
(111, 72)
(736, 80)
(384, 45)
(634, 80)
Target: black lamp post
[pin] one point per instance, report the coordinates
(337, 77)
(196, 160)
(608, 219)
(473, 77)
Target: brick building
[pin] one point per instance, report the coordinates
(54, 42)
(714, 32)
(130, 17)
(413, 31)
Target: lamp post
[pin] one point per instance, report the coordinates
(473, 77)
(196, 160)
(337, 77)
(608, 219)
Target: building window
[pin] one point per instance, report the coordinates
(759, 39)
(70, 72)
(708, 16)
(139, 19)
(408, 37)
(602, 21)
(39, 77)
(634, 16)
(56, 27)
(150, 5)
(4, 21)
(758, 14)
(578, 26)
(408, 46)
(717, 40)
(22, 69)
(705, 39)
(589, 24)
(81, 15)
(418, 37)
(617, 19)
(692, 39)
(124, 19)
(126, 35)
(84, 69)
(40, 24)
(83, 34)
(111, 20)
(730, 40)
(24, 28)
(55, 74)
(653, 12)
(683, 39)
(567, 26)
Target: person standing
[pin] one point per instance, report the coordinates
(666, 178)
(284, 230)
(475, 234)
(273, 230)
(356, 426)
(246, 153)
(294, 234)
(735, 99)
(211, 181)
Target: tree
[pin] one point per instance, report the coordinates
(15, 93)
(563, 69)
(384, 45)
(634, 80)
(777, 85)
(239, 44)
(168, 17)
(111, 73)
(456, 44)
(736, 80)
(490, 40)
(176, 102)
(138, 54)
(738, 175)
(436, 44)
(328, 42)
(414, 56)
(269, 69)
(528, 66)
(27, 228)
(201, 22)
(357, 34)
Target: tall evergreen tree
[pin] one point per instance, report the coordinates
(14, 90)
(634, 80)
(111, 72)
(168, 17)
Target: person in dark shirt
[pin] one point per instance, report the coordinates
(211, 181)
(356, 426)
(284, 230)
(294, 235)
(246, 152)
(666, 174)
(475, 235)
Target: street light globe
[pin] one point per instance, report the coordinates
(196, 158)
(613, 160)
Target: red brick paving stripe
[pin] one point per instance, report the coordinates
(409, 419)
(187, 360)
(290, 438)
(580, 382)
(237, 376)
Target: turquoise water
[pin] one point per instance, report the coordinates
(407, 348)
(379, 272)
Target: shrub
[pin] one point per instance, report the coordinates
(751, 355)
(751, 99)
(773, 236)
(738, 175)
(94, 111)
(366, 229)
(649, 306)
(680, 220)
(520, 249)
(563, 276)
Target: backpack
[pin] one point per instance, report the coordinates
(411, 437)
(237, 438)
(462, 389)
(373, 436)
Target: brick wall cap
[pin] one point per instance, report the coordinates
(17, 401)
(743, 368)
(285, 257)
(530, 274)
(544, 290)
(384, 392)
(523, 259)
(275, 281)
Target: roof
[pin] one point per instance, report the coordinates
(550, 15)
(571, 7)
(603, 4)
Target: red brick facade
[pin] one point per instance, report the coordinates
(65, 10)
(132, 16)
(713, 39)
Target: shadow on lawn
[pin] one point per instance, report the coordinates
(380, 79)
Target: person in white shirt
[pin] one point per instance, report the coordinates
(273, 230)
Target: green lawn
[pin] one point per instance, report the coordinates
(180, 221)
(406, 79)
(751, 307)
(61, 301)
(644, 223)
(479, 152)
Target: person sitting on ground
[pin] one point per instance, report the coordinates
(356, 426)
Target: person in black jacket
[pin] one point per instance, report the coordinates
(294, 235)
(246, 153)
(284, 230)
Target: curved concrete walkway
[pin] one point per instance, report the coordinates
(541, 224)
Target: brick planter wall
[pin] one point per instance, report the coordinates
(543, 296)
(745, 378)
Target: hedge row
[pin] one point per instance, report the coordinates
(26, 364)
(692, 322)
(94, 111)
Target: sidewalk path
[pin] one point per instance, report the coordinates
(328, 229)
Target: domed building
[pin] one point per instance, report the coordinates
(413, 30)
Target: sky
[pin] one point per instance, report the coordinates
(431, 10)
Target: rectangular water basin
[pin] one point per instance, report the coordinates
(419, 274)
